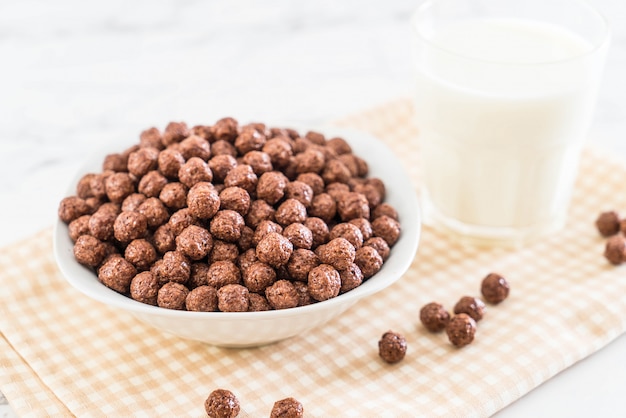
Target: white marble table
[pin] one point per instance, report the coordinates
(75, 75)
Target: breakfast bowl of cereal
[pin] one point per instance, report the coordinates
(238, 235)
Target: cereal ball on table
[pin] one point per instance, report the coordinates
(195, 242)
(471, 306)
(324, 282)
(615, 249)
(271, 186)
(202, 299)
(233, 298)
(258, 303)
(144, 288)
(169, 163)
(221, 165)
(152, 183)
(129, 226)
(89, 251)
(203, 200)
(392, 347)
(461, 330)
(319, 229)
(242, 176)
(235, 198)
(175, 132)
(225, 129)
(299, 235)
(323, 206)
(116, 273)
(282, 295)
(194, 171)
(302, 261)
(222, 273)
(351, 278)
(173, 267)
(141, 254)
(434, 317)
(339, 253)
(172, 295)
(155, 212)
(368, 260)
(195, 146)
(142, 161)
(78, 227)
(386, 228)
(494, 288)
(222, 403)
(353, 205)
(258, 277)
(274, 249)
(287, 408)
(259, 211)
(226, 225)
(72, 208)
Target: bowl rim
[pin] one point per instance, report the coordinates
(401, 257)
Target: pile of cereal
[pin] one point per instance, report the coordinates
(612, 227)
(232, 218)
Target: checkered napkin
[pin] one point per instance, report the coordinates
(63, 354)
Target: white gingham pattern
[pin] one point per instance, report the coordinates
(63, 354)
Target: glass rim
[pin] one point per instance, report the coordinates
(604, 39)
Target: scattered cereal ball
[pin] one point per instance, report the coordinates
(144, 288)
(164, 239)
(339, 253)
(353, 205)
(258, 276)
(152, 183)
(299, 191)
(264, 228)
(350, 232)
(287, 408)
(434, 317)
(114, 162)
(494, 288)
(392, 347)
(385, 209)
(222, 403)
(225, 129)
(351, 278)
(223, 251)
(324, 282)
(274, 249)
(78, 227)
(386, 228)
(142, 161)
(461, 330)
(615, 249)
(141, 254)
(116, 273)
(169, 163)
(608, 223)
(281, 295)
(180, 220)
(174, 195)
(235, 198)
(202, 299)
(151, 137)
(174, 267)
(221, 165)
(129, 226)
(379, 245)
(172, 295)
(197, 275)
(233, 298)
(195, 242)
(131, 203)
(242, 176)
(175, 132)
(258, 303)
(259, 211)
(194, 171)
(222, 273)
(203, 200)
(155, 212)
(299, 235)
(471, 306)
(319, 229)
(271, 186)
(368, 260)
(226, 225)
(195, 146)
(290, 211)
(89, 250)
(72, 208)
(323, 206)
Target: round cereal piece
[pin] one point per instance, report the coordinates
(223, 251)
(203, 200)
(164, 239)
(258, 276)
(339, 253)
(226, 225)
(368, 260)
(258, 303)
(169, 163)
(461, 330)
(380, 245)
(78, 227)
(608, 223)
(274, 249)
(471, 306)
(152, 183)
(494, 288)
(235, 198)
(195, 146)
(132, 202)
(301, 262)
(174, 195)
(336, 171)
(174, 267)
(72, 208)
(349, 160)
(94, 203)
(225, 129)
(245, 240)
(323, 206)
(222, 147)
(271, 186)
(336, 190)
(97, 184)
(129, 226)
(351, 278)
(313, 180)
(115, 162)
(172, 295)
(315, 137)
(364, 226)
(279, 151)
(282, 294)
(378, 183)
(304, 297)
(180, 220)
(299, 191)
(353, 205)
(221, 165)
(264, 228)
(89, 250)
(144, 288)
(141, 254)
(319, 229)
(197, 275)
(175, 132)
(385, 209)
(203, 131)
(287, 408)
(259, 161)
(222, 403)
(194, 171)
(324, 282)
(309, 161)
(222, 273)
(339, 145)
(392, 347)
(386, 228)
(300, 145)
(242, 176)
(249, 140)
(615, 249)
(151, 137)
(142, 161)
(299, 235)
(155, 212)
(246, 259)
(370, 192)
(289, 212)
(102, 221)
(116, 273)
(83, 187)
(434, 317)
(233, 298)
(348, 231)
(202, 299)
(259, 211)
(195, 242)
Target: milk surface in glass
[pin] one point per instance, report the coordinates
(501, 132)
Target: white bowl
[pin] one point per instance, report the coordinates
(246, 329)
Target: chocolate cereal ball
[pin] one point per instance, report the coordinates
(129, 226)
(353, 205)
(364, 226)
(223, 251)
(164, 239)
(351, 278)
(494, 288)
(264, 228)
(202, 299)
(226, 225)
(78, 227)
(299, 191)
(89, 250)
(155, 212)
(615, 249)
(461, 330)
(259, 161)
(323, 206)
(336, 171)
(392, 347)
(287, 408)
(174, 195)
(180, 220)
(72, 208)
(151, 137)
(608, 223)
(222, 403)
(299, 235)
(194, 171)
(274, 249)
(116, 273)
(348, 231)
(169, 163)
(434, 317)
(249, 140)
(259, 211)
(258, 303)
(279, 151)
(198, 275)
(386, 228)
(304, 297)
(195, 242)
(222, 273)
(225, 129)
(195, 146)
(380, 245)
(339, 253)
(271, 186)
(83, 187)
(175, 132)
(242, 176)
(368, 260)
(235, 198)
(245, 240)
(385, 209)
(324, 282)
(172, 295)
(222, 147)
(174, 267)
(245, 259)
(319, 229)
(313, 180)
(152, 183)
(309, 161)
(221, 165)
(142, 161)
(141, 254)
(233, 298)
(336, 190)
(203, 200)
(102, 221)
(144, 288)
(302, 261)
(370, 192)
(290, 211)
(114, 162)
(471, 306)
(258, 276)
(132, 202)
(282, 295)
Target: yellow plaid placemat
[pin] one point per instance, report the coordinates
(63, 354)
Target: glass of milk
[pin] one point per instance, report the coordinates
(505, 92)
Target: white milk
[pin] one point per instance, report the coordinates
(500, 132)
